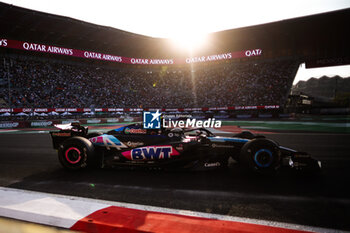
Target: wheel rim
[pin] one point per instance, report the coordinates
(73, 155)
(263, 158)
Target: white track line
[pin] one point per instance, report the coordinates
(43, 208)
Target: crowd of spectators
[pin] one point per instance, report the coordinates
(54, 84)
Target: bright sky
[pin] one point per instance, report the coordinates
(185, 19)
(305, 74)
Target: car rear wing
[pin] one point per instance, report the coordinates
(66, 131)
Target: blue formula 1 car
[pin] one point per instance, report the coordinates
(197, 149)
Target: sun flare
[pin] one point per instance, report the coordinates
(189, 41)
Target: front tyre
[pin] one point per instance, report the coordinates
(76, 153)
(261, 155)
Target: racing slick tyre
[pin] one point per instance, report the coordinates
(246, 134)
(261, 155)
(76, 153)
(92, 135)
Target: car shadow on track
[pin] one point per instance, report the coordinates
(235, 179)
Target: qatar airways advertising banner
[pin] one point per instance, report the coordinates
(84, 110)
(14, 44)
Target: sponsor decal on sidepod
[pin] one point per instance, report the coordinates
(151, 152)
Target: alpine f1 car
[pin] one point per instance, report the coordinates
(196, 148)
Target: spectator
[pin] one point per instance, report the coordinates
(42, 84)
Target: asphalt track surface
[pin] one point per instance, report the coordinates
(27, 161)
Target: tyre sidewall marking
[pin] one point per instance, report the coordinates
(270, 158)
(67, 155)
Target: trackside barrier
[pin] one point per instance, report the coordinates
(245, 116)
(48, 123)
(132, 110)
(265, 115)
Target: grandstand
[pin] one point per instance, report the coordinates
(53, 62)
(42, 84)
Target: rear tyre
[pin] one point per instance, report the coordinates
(261, 155)
(76, 153)
(92, 135)
(245, 134)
